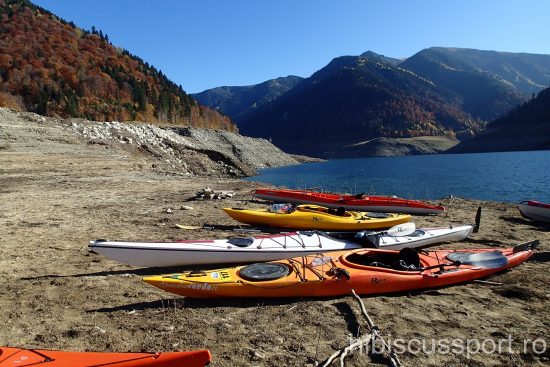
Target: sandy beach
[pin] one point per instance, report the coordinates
(57, 295)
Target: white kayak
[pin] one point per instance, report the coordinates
(262, 248)
(421, 237)
(535, 210)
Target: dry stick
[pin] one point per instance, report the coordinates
(351, 347)
(394, 360)
(343, 352)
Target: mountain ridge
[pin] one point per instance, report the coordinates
(454, 80)
(237, 101)
(356, 94)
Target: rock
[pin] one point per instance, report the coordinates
(208, 193)
(258, 355)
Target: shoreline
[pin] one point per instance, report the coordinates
(467, 176)
(58, 296)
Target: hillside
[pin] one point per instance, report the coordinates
(237, 102)
(480, 92)
(354, 99)
(526, 127)
(439, 91)
(527, 73)
(51, 67)
(391, 147)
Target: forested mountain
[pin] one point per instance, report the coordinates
(52, 67)
(354, 99)
(527, 73)
(237, 102)
(526, 127)
(438, 91)
(483, 94)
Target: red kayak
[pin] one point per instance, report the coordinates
(52, 358)
(359, 202)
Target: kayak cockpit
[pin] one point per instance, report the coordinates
(405, 260)
(337, 212)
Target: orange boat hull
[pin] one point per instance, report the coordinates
(313, 276)
(51, 358)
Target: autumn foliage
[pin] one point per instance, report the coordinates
(52, 67)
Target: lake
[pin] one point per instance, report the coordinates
(502, 176)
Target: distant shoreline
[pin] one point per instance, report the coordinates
(497, 176)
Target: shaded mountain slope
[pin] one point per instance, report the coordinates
(355, 99)
(236, 102)
(526, 127)
(481, 93)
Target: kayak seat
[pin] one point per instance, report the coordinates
(340, 211)
(409, 259)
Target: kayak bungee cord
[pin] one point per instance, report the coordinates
(48, 359)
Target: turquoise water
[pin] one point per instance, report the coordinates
(503, 176)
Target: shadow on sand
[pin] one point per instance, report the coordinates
(541, 257)
(183, 302)
(137, 272)
(527, 222)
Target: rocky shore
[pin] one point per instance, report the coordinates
(183, 151)
(64, 183)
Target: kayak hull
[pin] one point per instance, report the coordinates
(53, 358)
(180, 253)
(314, 217)
(315, 276)
(366, 203)
(260, 248)
(535, 210)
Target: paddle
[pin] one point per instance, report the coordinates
(399, 230)
(484, 260)
(403, 229)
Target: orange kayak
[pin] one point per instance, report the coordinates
(367, 271)
(51, 358)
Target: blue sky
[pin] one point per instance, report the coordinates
(209, 43)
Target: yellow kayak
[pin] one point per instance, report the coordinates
(309, 217)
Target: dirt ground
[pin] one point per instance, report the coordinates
(57, 295)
